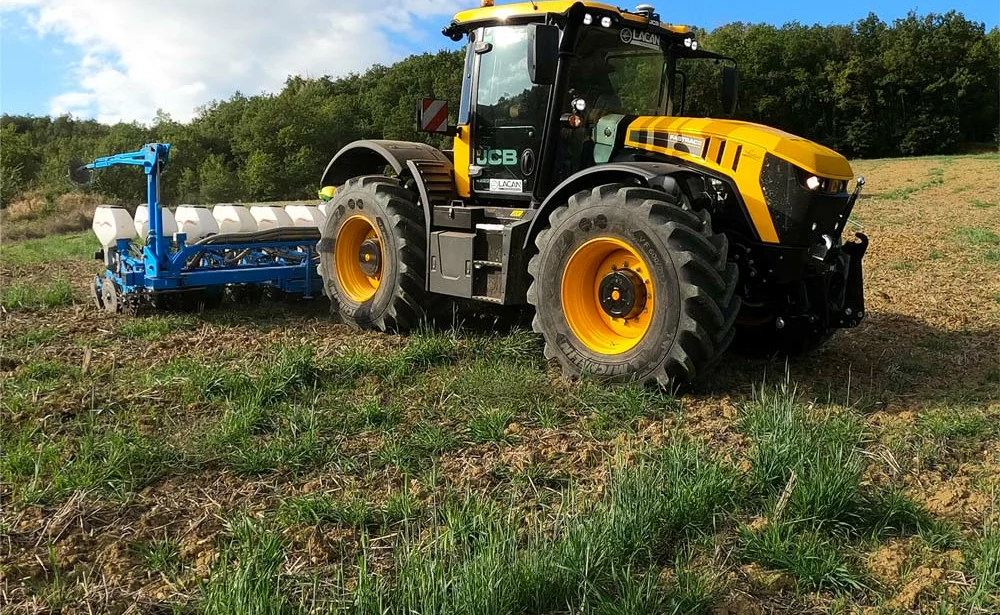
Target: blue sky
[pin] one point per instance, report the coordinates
(85, 56)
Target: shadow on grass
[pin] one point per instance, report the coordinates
(889, 360)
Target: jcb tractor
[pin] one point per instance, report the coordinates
(644, 240)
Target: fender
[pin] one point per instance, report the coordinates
(370, 157)
(429, 168)
(656, 174)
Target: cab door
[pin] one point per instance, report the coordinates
(509, 116)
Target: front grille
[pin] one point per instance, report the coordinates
(801, 216)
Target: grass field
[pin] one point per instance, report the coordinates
(263, 459)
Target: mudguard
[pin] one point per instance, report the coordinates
(656, 174)
(371, 157)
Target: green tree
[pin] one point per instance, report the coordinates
(217, 183)
(19, 162)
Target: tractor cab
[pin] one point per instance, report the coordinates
(546, 86)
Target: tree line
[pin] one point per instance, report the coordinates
(920, 85)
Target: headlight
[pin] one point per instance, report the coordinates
(588, 19)
(606, 21)
(813, 182)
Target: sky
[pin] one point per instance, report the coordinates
(123, 60)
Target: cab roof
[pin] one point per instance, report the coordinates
(521, 11)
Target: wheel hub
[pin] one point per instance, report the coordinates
(358, 258)
(608, 297)
(622, 294)
(370, 257)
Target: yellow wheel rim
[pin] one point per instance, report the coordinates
(591, 323)
(357, 284)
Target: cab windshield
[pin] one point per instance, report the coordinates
(618, 71)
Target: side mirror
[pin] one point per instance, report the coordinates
(730, 89)
(543, 53)
(432, 116)
(79, 174)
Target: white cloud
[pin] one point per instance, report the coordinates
(139, 56)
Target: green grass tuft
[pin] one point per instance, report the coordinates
(951, 425)
(518, 346)
(160, 555)
(616, 407)
(379, 415)
(52, 294)
(414, 451)
(490, 425)
(33, 338)
(154, 328)
(494, 383)
(118, 462)
(248, 579)
(984, 558)
(892, 512)
(814, 561)
(48, 371)
(314, 509)
(631, 592)
(43, 468)
(822, 451)
(976, 236)
(645, 593)
(256, 438)
(678, 490)
(477, 557)
(423, 350)
(27, 462)
(72, 247)
(692, 591)
(288, 372)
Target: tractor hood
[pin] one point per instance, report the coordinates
(745, 152)
(707, 139)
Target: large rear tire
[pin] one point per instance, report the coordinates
(628, 285)
(371, 254)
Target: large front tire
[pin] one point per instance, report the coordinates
(628, 285)
(371, 255)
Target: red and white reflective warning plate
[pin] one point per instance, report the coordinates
(433, 115)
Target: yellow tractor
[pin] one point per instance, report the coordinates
(645, 241)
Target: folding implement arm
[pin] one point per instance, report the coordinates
(152, 158)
